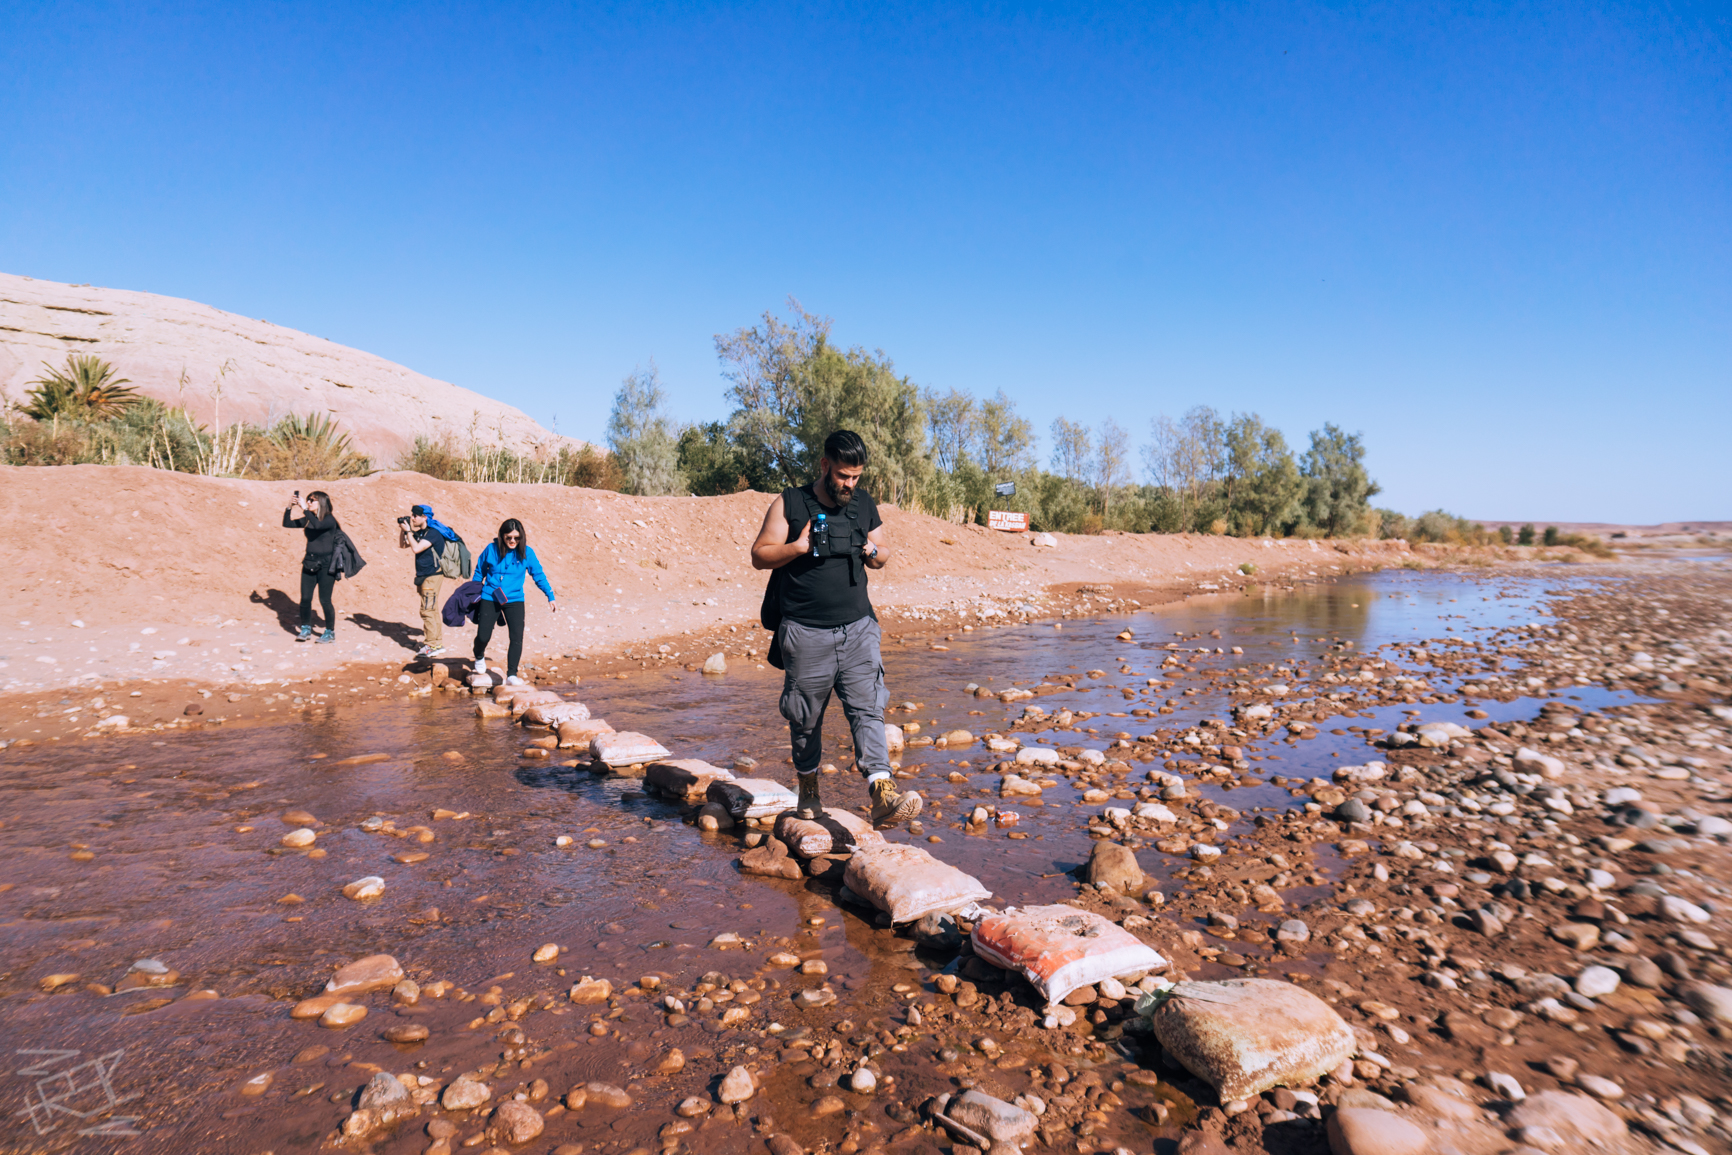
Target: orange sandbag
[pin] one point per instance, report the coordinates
(1061, 948)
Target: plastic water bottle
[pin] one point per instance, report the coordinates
(820, 534)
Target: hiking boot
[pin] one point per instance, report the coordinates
(808, 806)
(327, 636)
(891, 807)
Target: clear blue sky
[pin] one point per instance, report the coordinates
(1495, 238)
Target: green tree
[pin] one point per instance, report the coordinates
(1006, 443)
(1072, 449)
(1263, 489)
(713, 464)
(953, 427)
(1526, 535)
(1338, 489)
(792, 388)
(1551, 536)
(86, 389)
(1505, 534)
(643, 438)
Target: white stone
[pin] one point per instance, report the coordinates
(1677, 909)
(176, 351)
(1596, 982)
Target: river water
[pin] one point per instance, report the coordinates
(182, 832)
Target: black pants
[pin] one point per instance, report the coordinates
(323, 580)
(490, 611)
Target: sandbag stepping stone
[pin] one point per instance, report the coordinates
(751, 797)
(581, 735)
(553, 713)
(687, 779)
(907, 883)
(1060, 949)
(1244, 1036)
(837, 832)
(626, 748)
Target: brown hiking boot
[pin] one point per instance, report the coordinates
(891, 807)
(808, 806)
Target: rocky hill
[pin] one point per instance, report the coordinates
(176, 350)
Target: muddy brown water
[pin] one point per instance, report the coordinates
(175, 877)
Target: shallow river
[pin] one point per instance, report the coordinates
(175, 876)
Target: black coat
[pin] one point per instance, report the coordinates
(346, 560)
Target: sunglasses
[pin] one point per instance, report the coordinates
(511, 537)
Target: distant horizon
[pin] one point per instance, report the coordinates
(1497, 243)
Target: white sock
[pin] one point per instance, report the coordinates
(876, 775)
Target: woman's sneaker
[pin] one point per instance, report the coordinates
(303, 633)
(327, 636)
(514, 680)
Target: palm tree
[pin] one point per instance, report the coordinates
(86, 387)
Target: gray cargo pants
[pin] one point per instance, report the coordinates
(844, 659)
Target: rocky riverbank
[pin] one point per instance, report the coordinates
(1495, 851)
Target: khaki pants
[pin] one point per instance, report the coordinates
(432, 625)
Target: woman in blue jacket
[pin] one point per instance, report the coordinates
(500, 569)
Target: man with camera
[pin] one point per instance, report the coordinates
(819, 540)
(428, 537)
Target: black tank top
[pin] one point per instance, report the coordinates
(828, 590)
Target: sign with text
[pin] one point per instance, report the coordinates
(1000, 519)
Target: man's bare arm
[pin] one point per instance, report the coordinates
(773, 550)
(880, 556)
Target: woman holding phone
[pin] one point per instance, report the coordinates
(312, 514)
(501, 569)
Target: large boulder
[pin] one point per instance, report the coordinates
(1116, 867)
(1244, 1036)
(1572, 1116)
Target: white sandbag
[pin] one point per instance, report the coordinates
(627, 748)
(1244, 1036)
(1061, 948)
(580, 734)
(751, 797)
(908, 884)
(683, 778)
(837, 832)
(553, 713)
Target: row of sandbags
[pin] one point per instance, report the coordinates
(578, 731)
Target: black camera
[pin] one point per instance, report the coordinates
(403, 521)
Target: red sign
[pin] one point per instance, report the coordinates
(1014, 522)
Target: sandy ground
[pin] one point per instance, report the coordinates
(162, 589)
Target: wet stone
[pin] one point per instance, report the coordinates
(607, 1095)
(1367, 1131)
(737, 1086)
(465, 1094)
(406, 1033)
(516, 1123)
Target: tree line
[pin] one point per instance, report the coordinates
(947, 452)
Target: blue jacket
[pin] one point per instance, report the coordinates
(505, 574)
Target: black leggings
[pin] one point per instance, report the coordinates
(324, 580)
(490, 611)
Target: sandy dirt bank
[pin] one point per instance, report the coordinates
(173, 584)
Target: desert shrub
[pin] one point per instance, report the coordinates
(311, 448)
(86, 389)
